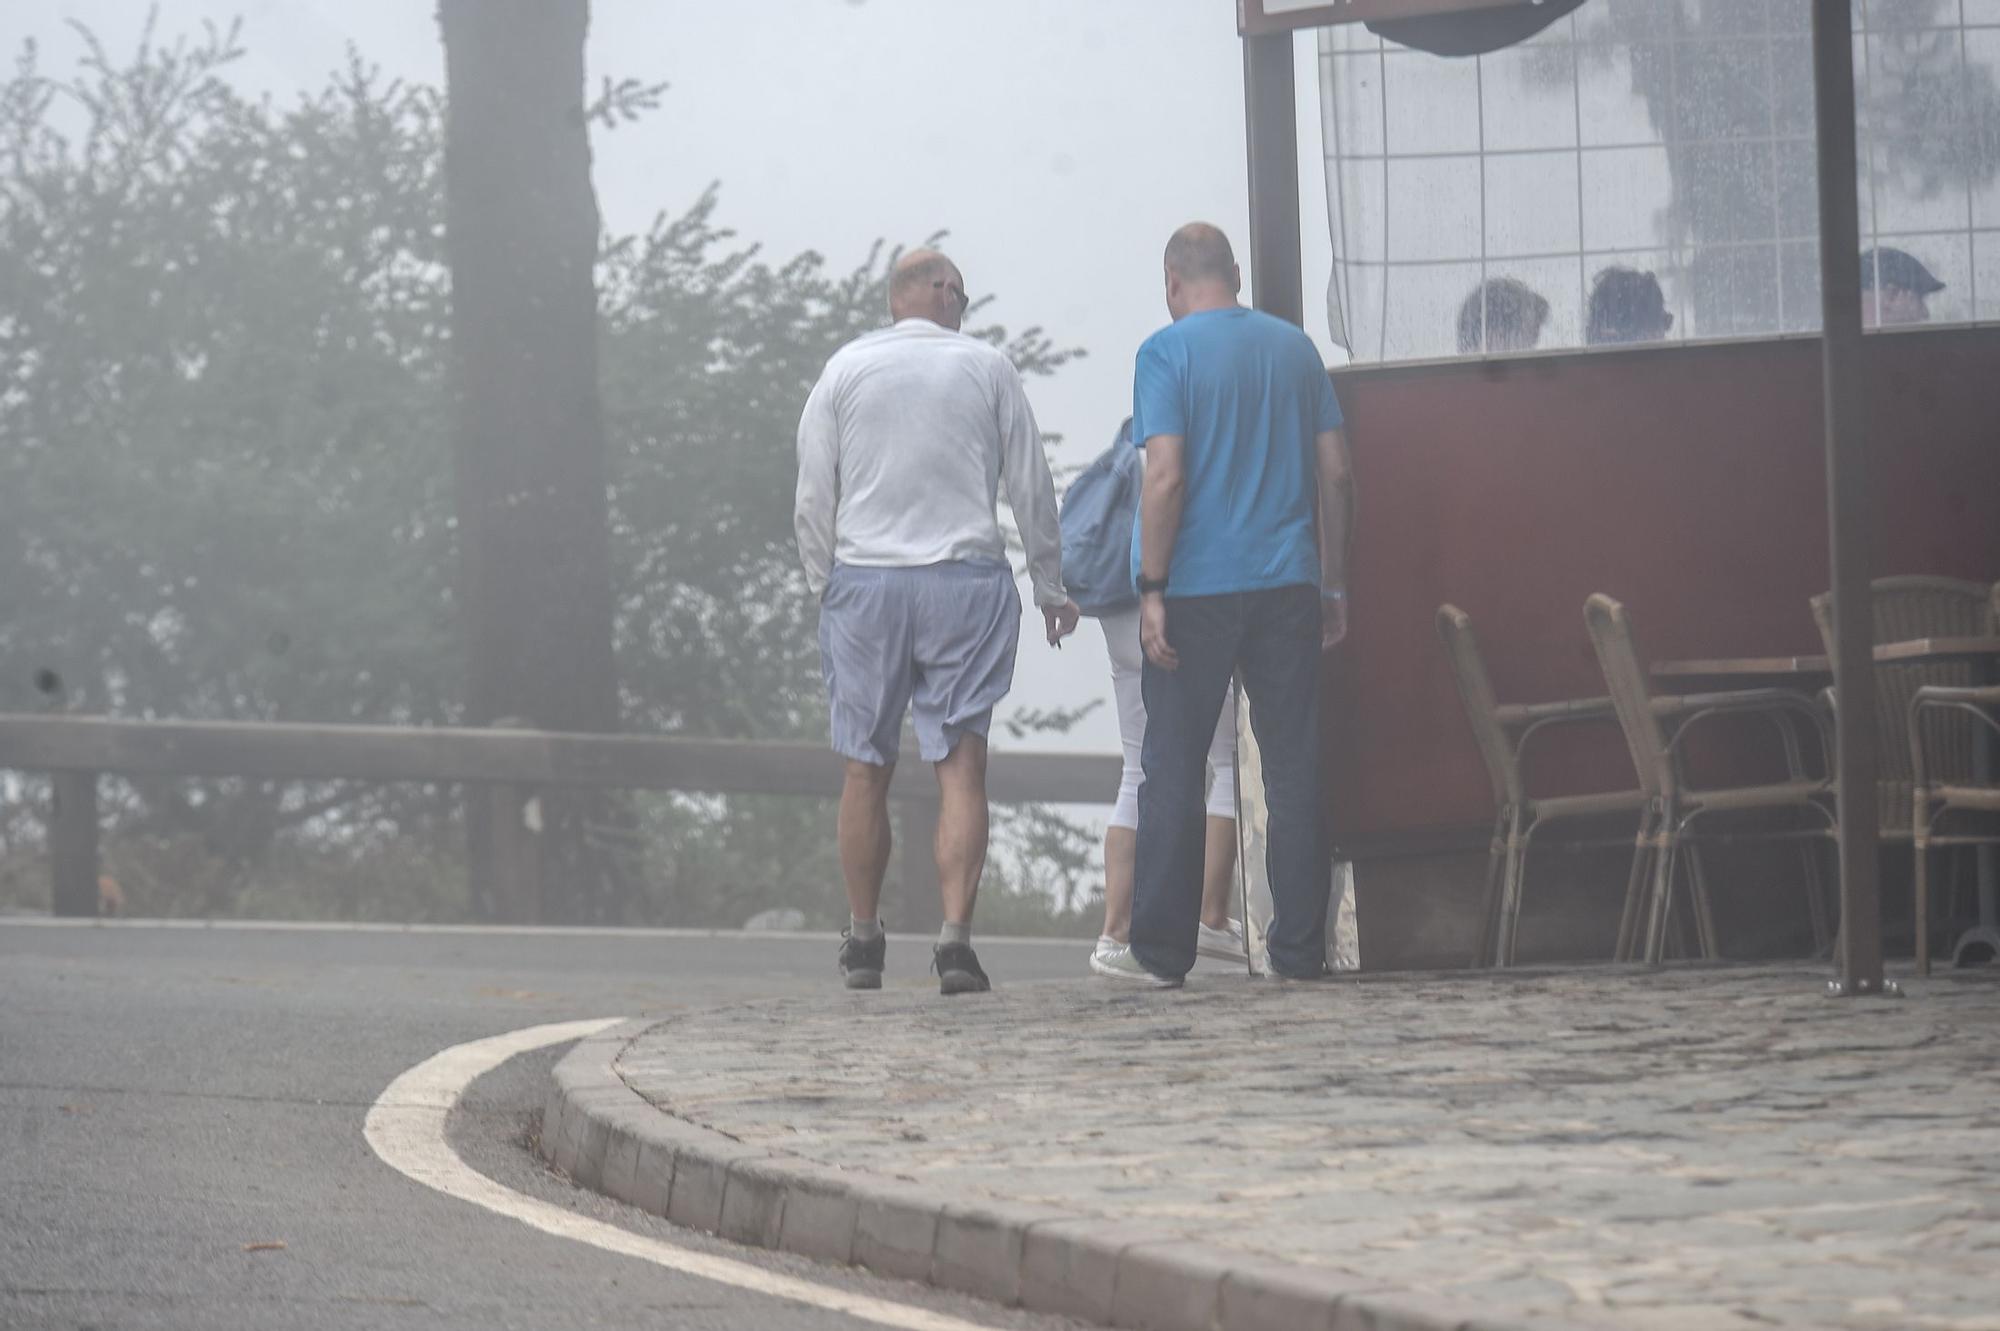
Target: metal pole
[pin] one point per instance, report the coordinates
(1270, 115)
(1847, 499)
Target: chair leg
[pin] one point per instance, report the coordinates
(1815, 896)
(1635, 881)
(1704, 907)
(1663, 885)
(1920, 881)
(1489, 899)
(1510, 895)
(1681, 942)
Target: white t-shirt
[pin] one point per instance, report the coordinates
(904, 444)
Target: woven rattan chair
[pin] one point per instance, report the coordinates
(1654, 728)
(1933, 796)
(1503, 731)
(1937, 739)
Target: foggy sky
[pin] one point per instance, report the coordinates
(1058, 141)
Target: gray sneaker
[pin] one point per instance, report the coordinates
(958, 969)
(861, 960)
(1114, 961)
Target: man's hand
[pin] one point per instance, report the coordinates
(1061, 621)
(1332, 619)
(1153, 633)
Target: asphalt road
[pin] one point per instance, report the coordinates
(170, 1098)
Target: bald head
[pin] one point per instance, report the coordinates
(926, 285)
(1201, 270)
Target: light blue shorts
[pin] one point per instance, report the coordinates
(936, 641)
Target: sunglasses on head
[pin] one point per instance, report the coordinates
(956, 291)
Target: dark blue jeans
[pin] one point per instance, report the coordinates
(1274, 637)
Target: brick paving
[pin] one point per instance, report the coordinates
(1690, 1148)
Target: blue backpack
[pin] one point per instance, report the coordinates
(1098, 512)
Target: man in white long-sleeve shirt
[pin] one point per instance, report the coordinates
(903, 447)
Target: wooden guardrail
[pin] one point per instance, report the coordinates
(508, 767)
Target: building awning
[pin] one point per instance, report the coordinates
(1478, 32)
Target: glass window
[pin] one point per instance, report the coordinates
(1645, 170)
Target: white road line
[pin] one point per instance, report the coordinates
(406, 1126)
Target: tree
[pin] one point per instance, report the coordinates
(223, 489)
(521, 232)
(226, 480)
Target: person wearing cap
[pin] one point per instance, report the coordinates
(1895, 288)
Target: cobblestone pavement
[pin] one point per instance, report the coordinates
(1685, 1149)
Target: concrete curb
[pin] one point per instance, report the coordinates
(607, 1137)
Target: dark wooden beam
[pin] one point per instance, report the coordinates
(526, 758)
(1270, 115)
(73, 845)
(914, 904)
(1847, 497)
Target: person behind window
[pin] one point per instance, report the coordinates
(1895, 289)
(1507, 311)
(1626, 306)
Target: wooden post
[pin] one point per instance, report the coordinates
(917, 908)
(513, 890)
(1270, 114)
(1848, 508)
(73, 844)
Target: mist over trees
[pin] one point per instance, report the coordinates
(228, 491)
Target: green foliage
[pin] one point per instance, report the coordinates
(225, 474)
(224, 486)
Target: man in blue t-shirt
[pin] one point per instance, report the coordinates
(1241, 561)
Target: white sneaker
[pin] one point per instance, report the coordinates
(1114, 961)
(1106, 945)
(1223, 944)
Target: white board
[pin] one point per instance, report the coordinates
(1253, 884)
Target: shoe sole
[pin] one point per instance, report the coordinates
(1126, 977)
(863, 979)
(962, 982)
(1214, 953)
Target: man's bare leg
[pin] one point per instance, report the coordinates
(961, 859)
(864, 835)
(962, 828)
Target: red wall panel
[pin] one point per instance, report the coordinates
(1686, 481)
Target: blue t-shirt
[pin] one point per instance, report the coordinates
(1249, 396)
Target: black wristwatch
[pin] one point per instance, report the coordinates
(1147, 586)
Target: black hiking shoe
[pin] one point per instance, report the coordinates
(957, 967)
(861, 960)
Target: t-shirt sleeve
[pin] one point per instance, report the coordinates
(1326, 408)
(1156, 395)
